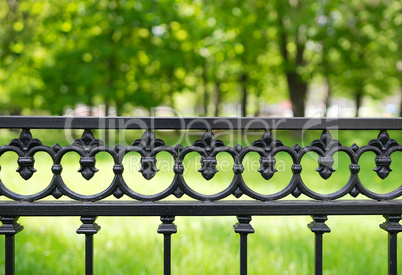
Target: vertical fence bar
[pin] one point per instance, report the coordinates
(167, 228)
(89, 228)
(9, 228)
(319, 227)
(10, 254)
(243, 227)
(392, 226)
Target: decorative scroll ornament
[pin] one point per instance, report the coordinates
(208, 167)
(87, 168)
(384, 143)
(87, 142)
(238, 169)
(354, 168)
(267, 164)
(57, 169)
(267, 142)
(208, 162)
(382, 166)
(325, 167)
(118, 169)
(25, 143)
(267, 167)
(26, 167)
(325, 143)
(148, 163)
(208, 147)
(148, 167)
(178, 167)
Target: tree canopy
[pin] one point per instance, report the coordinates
(130, 54)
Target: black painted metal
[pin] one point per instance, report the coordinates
(89, 228)
(243, 227)
(392, 226)
(199, 123)
(164, 204)
(9, 228)
(208, 147)
(167, 228)
(10, 254)
(189, 208)
(319, 227)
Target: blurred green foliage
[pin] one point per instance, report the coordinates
(125, 54)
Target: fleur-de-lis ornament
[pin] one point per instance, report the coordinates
(267, 164)
(87, 142)
(148, 163)
(325, 163)
(208, 162)
(383, 162)
(26, 163)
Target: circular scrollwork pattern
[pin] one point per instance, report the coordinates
(208, 147)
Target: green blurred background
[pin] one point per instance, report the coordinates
(200, 58)
(341, 58)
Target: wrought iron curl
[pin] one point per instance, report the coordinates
(208, 147)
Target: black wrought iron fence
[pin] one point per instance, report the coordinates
(169, 203)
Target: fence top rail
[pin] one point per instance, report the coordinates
(206, 149)
(199, 123)
(191, 208)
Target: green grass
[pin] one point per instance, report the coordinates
(207, 245)
(203, 245)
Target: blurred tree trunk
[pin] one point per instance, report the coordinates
(327, 97)
(206, 96)
(358, 101)
(296, 84)
(198, 109)
(258, 97)
(243, 80)
(257, 111)
(298, 93)
(218, 98)
(171, 88)
(108, 96)
(400, 103)
(106, 132)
